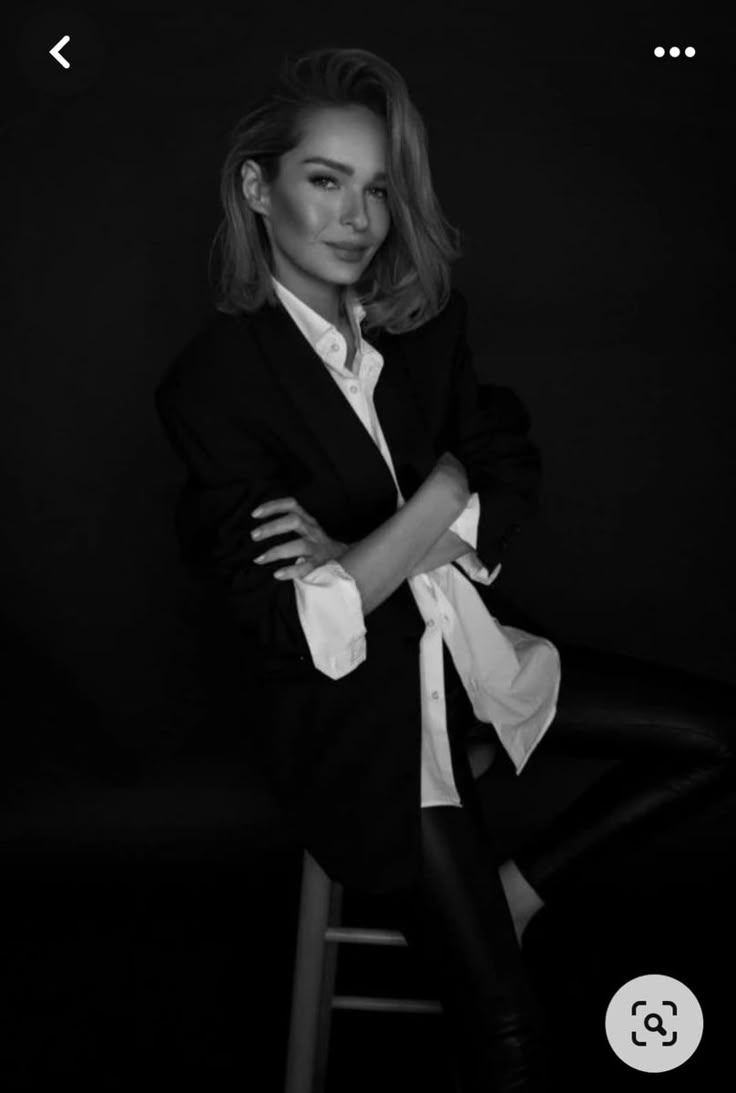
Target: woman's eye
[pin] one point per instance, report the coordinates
(328, 178)
(321, 178)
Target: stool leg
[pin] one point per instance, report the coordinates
(327, 993)
(308, 973)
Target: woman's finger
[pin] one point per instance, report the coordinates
(281, 504)
(300, 570)
(295, 548)
(267, 507)
(293, 522)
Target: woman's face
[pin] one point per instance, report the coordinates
(313, 205)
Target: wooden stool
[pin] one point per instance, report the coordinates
(320, 930)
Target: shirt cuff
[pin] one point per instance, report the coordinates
(475, 569)
(466, 527)
(331, 613)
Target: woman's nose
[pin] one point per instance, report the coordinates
(356, 212)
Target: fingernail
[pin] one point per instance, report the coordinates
(279, 573)
(259, 558)
(256, 512)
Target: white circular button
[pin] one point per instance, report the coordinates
(435, 694)
(654, 1023)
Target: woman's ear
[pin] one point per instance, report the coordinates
(255, 190)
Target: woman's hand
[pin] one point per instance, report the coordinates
(313, 547)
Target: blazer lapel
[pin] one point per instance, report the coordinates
(336, 428)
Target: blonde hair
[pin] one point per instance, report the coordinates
(408, 280)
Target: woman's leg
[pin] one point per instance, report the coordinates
(675, 734)
(458, 921)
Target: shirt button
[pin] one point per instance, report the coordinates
(354, 389)
(431, 622)
(435, 694)
(335, 346)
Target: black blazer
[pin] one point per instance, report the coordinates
(252, 412)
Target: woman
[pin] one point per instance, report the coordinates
(348, 502)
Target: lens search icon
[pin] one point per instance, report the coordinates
(654, 1023)
(657, 1026)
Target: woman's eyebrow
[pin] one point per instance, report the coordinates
(379, 175)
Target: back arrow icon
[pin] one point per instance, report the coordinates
(55, 51)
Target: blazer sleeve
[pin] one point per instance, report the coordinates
(232, 470)
(487, 431)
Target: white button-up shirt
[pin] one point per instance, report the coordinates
(511, 678)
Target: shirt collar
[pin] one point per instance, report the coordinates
(313, 326)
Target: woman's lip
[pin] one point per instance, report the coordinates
(348, 249)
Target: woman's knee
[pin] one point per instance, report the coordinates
(624, 708)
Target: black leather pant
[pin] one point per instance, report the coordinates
(674, 734)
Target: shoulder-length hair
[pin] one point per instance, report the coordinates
(408, 281)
